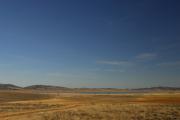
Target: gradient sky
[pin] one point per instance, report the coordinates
(90, 43)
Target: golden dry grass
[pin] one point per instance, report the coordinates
(118, 112)
(28, 105)
(8, 96)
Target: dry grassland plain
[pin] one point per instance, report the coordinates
(28, 105)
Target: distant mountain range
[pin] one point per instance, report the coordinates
(32, 87)
(157, 88)
(45, 87)
(49, 87)
(9, 87)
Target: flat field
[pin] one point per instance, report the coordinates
(31, 105)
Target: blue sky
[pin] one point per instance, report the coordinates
(92, 43)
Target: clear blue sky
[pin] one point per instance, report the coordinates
(90, 43)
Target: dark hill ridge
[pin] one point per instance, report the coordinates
(46, 87)
(51, 87)
(32, 87)
(158, 89)
(9, 87)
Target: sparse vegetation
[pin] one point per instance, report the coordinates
(8, 96)
(119, 112)
(18, 107)
(69, 106)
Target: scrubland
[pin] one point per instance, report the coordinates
(118, 112)
(27, 105)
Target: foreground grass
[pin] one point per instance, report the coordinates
(11, 96)
(28, 105)
(119, 112)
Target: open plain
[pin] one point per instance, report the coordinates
(32, 105)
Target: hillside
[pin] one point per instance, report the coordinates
(59, 88)
(158, 89)
(46, 87)
(9, 87)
